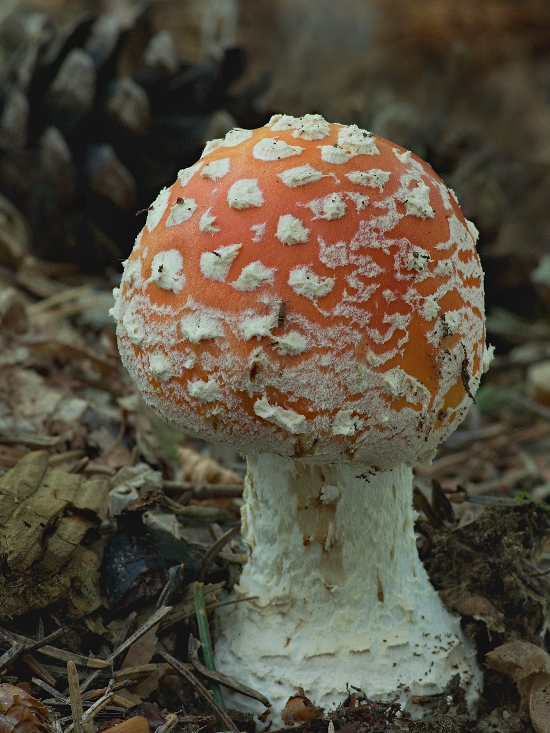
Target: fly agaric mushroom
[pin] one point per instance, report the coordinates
(310, 293)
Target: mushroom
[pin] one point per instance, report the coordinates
(310, 293)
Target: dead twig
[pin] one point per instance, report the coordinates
(170, 586)
(505, 481)
(223, 679)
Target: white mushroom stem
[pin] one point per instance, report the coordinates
(343, 598)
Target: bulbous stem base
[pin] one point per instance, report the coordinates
(342, 597)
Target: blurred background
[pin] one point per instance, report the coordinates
(102, 102)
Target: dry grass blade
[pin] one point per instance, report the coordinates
(222, 716)
(23, 645)
(168, 589)
(219, 677)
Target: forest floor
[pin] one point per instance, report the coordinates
(129, 528)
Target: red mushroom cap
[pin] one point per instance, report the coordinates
(307, 289)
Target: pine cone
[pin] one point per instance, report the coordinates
(95, 119)
(20, 712)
